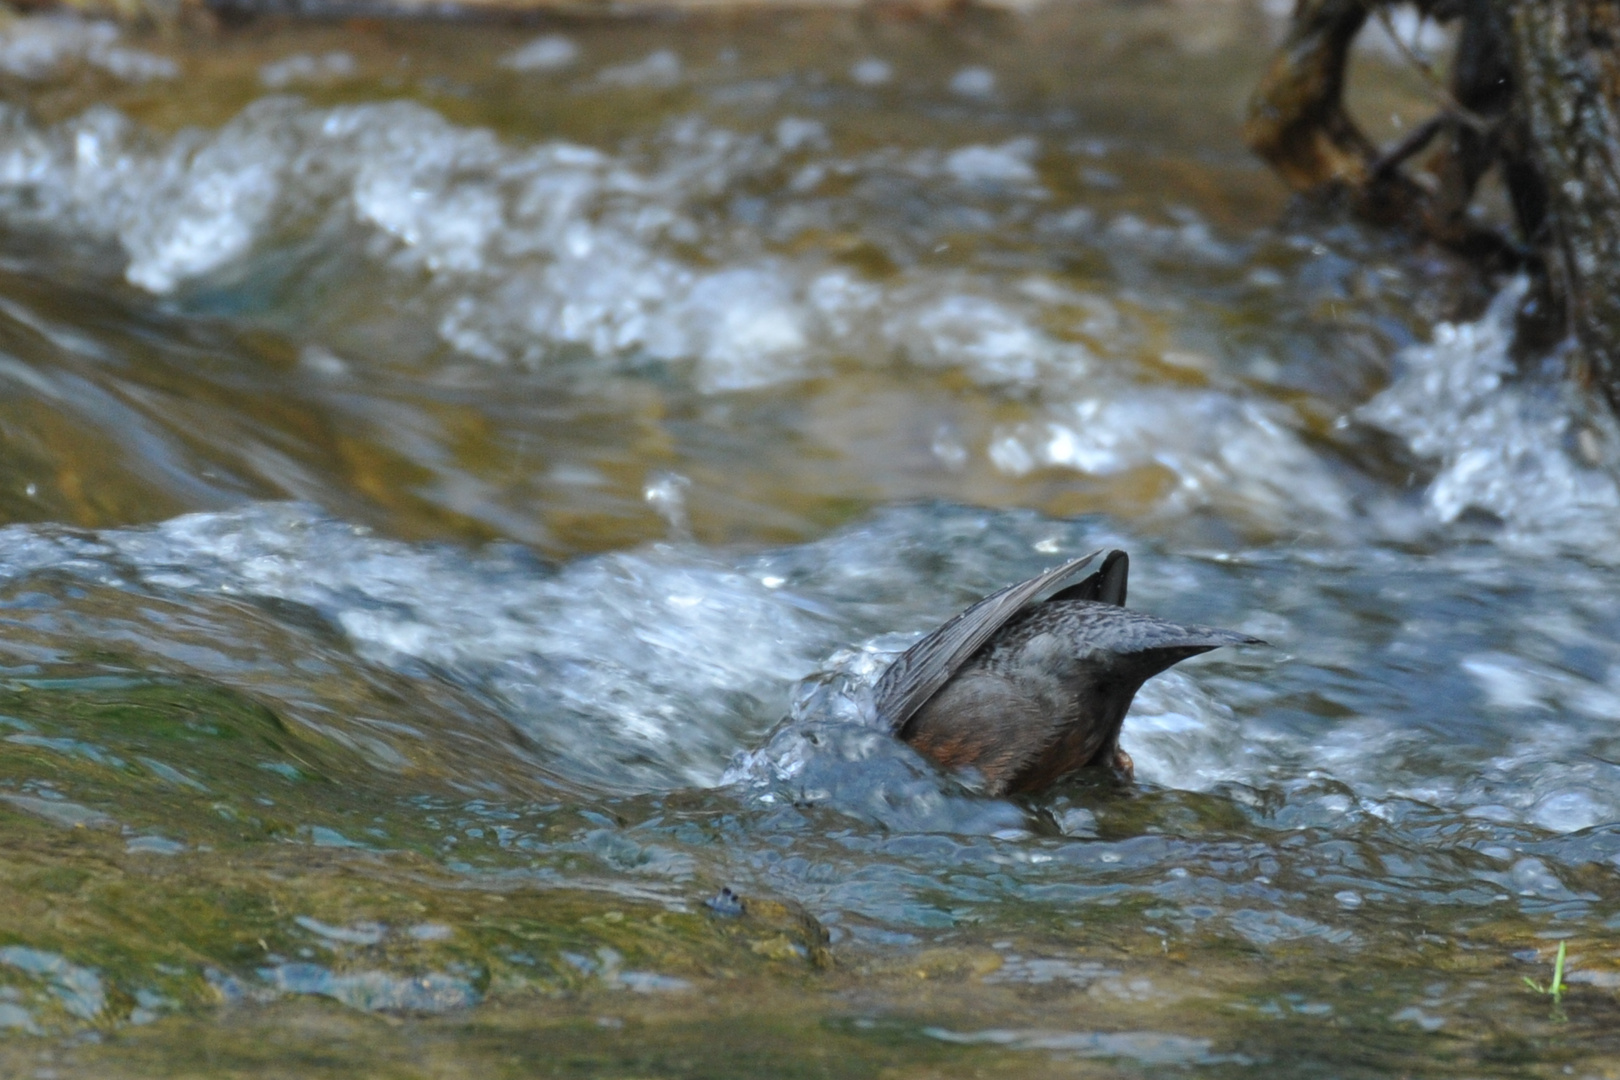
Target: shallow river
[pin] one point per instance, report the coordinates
(458, 482)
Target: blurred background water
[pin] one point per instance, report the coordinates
(459, 480)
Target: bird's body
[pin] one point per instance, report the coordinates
(1025, 692)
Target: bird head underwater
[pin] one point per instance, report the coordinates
(1024, 691)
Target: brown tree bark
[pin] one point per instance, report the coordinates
(1566, 67)
(1535, 91)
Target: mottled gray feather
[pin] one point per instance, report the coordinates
(918, 673)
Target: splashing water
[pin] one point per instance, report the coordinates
(1533, 453)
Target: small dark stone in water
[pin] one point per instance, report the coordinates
(783, 919)
(1026, 692)
(726, 903)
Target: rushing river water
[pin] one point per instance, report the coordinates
(459, 480)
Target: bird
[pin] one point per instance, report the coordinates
(1022, 691)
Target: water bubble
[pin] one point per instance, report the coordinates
(666, 494)
(154, 845)
(973, 82)
(367, 933)
(871, 72)
(306, 68)
(549, 52)
(660, 68)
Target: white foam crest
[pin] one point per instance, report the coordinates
(1004, 170)
(974, 82)
(637, 670)
(1547, 777)
(178, 209)
(512, 253)
(1539, 765)
(526, 249)
(308, 68)
(39, 49)
(549, 52)
(1533, 453)
(1535, 750)
(1239, 455)
(659, 68)
(830, 751)
(634, 668)
(871, 71)
(1180, 736)
(941, 322)
(1010, 164)
(1192, 238)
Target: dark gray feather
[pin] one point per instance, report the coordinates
(1105, 586)
(919, 672)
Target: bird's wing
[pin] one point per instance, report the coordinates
(1105, 586)
(917, 674)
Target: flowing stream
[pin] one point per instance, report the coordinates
(457, 482)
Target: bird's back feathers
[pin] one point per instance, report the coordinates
(918, 673)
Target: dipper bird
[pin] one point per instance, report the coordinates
(1026, 692)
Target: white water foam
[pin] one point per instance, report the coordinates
(648, 670)
(1531, 451)
(525, 249)
(1241, 456)
(308, 69)
(548, 52)
(639, 669)
(521, 254)
(40, 49)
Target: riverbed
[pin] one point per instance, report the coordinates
(459, 480)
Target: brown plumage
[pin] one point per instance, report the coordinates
(1026, 692)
